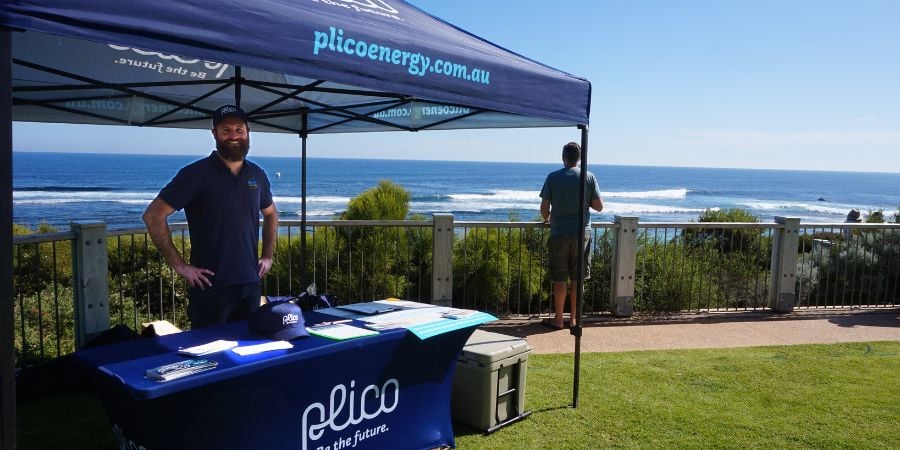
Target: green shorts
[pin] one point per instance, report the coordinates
(563, 250)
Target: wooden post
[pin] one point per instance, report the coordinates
(621, 289)
(442, 260)
(89, 270)
(782, 289)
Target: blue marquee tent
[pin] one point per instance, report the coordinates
(351, 65)
(296, 66)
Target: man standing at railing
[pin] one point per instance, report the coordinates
(560, 208)
(222, 196)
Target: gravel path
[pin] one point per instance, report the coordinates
(715, 330)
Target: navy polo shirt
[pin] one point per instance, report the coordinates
(223, 213)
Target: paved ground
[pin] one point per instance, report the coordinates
(713, 330)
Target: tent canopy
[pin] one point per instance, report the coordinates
(346, 65)
(296, 66)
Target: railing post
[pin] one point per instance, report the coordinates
(442, 260)
(782, 288)
(89, 270)
(621, 292)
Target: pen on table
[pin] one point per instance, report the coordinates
(332, 323)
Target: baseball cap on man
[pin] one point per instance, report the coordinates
(228, 111)
(281, 321)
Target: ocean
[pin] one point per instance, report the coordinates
(57, 188)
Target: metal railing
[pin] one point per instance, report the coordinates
(498, 267)
(849, 266)
(142, 287)
(354, 260)
(42, 289)
(695, 267)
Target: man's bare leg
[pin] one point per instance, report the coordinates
(573, 302)
(559, 302)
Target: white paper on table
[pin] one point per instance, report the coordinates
(405, 319)
(417, 315)
(210, 347)
(259, 348)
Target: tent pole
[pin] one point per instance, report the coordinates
(304, 133)
(579, 281)
(237, 86)
(7, 335)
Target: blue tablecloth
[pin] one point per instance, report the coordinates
(389, 391)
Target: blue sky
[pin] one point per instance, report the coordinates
(790, 84)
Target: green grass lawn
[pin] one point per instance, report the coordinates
(807, 396)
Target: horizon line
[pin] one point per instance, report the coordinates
(475, 161)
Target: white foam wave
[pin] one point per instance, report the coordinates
(819, 208)
(472, 207)
(662, 193)
(534, 196)
(320, 212)
(499, 195)
(57, 197)
(281, 199)
(639, 208)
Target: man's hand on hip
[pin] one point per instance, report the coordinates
(195, 276)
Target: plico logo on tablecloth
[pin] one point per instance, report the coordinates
(346, 408)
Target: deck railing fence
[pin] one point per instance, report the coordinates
(70, 286)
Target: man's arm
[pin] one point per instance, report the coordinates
(597, 204)
(155, 217)
(269, 235)
(545, 209)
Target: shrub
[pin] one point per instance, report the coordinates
(142, 287)
(863, 269)
(672, 278)
(734, 262)
(380, 253)
(876, 216)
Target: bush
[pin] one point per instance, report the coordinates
(597, 289)
(734, 262)
(380, 253)
(42, 295)
(142, 287)
(672, 278)
(725, 240)
(876, 216)
(864, 269)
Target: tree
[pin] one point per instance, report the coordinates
(380, 262)
(387, 201)
(735, 259)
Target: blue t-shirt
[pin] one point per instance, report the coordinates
(223, 216)
(561, 188)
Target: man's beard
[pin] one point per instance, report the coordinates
(233, 153)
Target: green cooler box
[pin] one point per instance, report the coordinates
(489, 385)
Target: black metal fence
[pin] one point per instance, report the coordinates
(500, 268)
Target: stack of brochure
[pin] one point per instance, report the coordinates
(179, 369)
(205, 349)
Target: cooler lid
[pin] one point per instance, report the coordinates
(485, 347)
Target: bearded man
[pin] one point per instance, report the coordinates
(222, 196)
